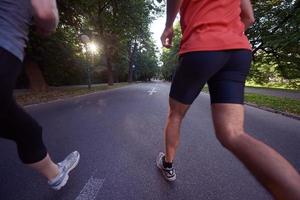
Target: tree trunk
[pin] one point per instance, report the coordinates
(131, 52)
(35, 76)
(110, 74)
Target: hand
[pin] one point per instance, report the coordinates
(167, 37)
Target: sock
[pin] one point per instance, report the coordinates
(167, 164)
(55, 179)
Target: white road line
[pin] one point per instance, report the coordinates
(91, 189)
(151, 92)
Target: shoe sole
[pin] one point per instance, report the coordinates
(162, 171)
(66, 178)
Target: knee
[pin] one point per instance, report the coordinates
(229, 137)
(175, 117)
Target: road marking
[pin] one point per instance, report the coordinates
(91, 189)
(151, 92)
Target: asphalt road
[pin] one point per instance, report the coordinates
(119, 134)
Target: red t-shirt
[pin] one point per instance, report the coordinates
(209, 25)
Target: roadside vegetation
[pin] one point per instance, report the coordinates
(53, 93)
(281, 104)
(119, 32)
(293, 85)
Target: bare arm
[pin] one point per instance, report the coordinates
(173, 7)
(247, 14)
(45, 15)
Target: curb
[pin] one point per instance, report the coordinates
(297, 117)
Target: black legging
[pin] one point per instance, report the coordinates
(15, 123)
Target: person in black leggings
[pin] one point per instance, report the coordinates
(15, 123)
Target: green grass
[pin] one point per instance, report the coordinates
(280, 86)
(59, 93)
(277, 103)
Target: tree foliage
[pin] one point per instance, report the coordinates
(117, 26)
(146, 62)
(276, 44)
(276, 40)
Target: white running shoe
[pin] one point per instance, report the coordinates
(68, 164)
(168, 173)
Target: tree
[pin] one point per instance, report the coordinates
(118, 25)
(276, 37)
(146, 62)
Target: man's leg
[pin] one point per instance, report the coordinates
(164, 162)
(194, 69)
(268, 166)
(176, 114)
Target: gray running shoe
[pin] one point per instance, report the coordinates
(168, 173)
(68, 164)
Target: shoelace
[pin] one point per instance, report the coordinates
(169, 171)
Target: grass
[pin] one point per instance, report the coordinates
(59, 93)
(279, 86)
(282, 104)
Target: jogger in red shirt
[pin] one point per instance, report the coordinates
(215, 50)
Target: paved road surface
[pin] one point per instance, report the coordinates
(119, 134)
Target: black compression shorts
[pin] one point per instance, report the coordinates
(224, 71)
